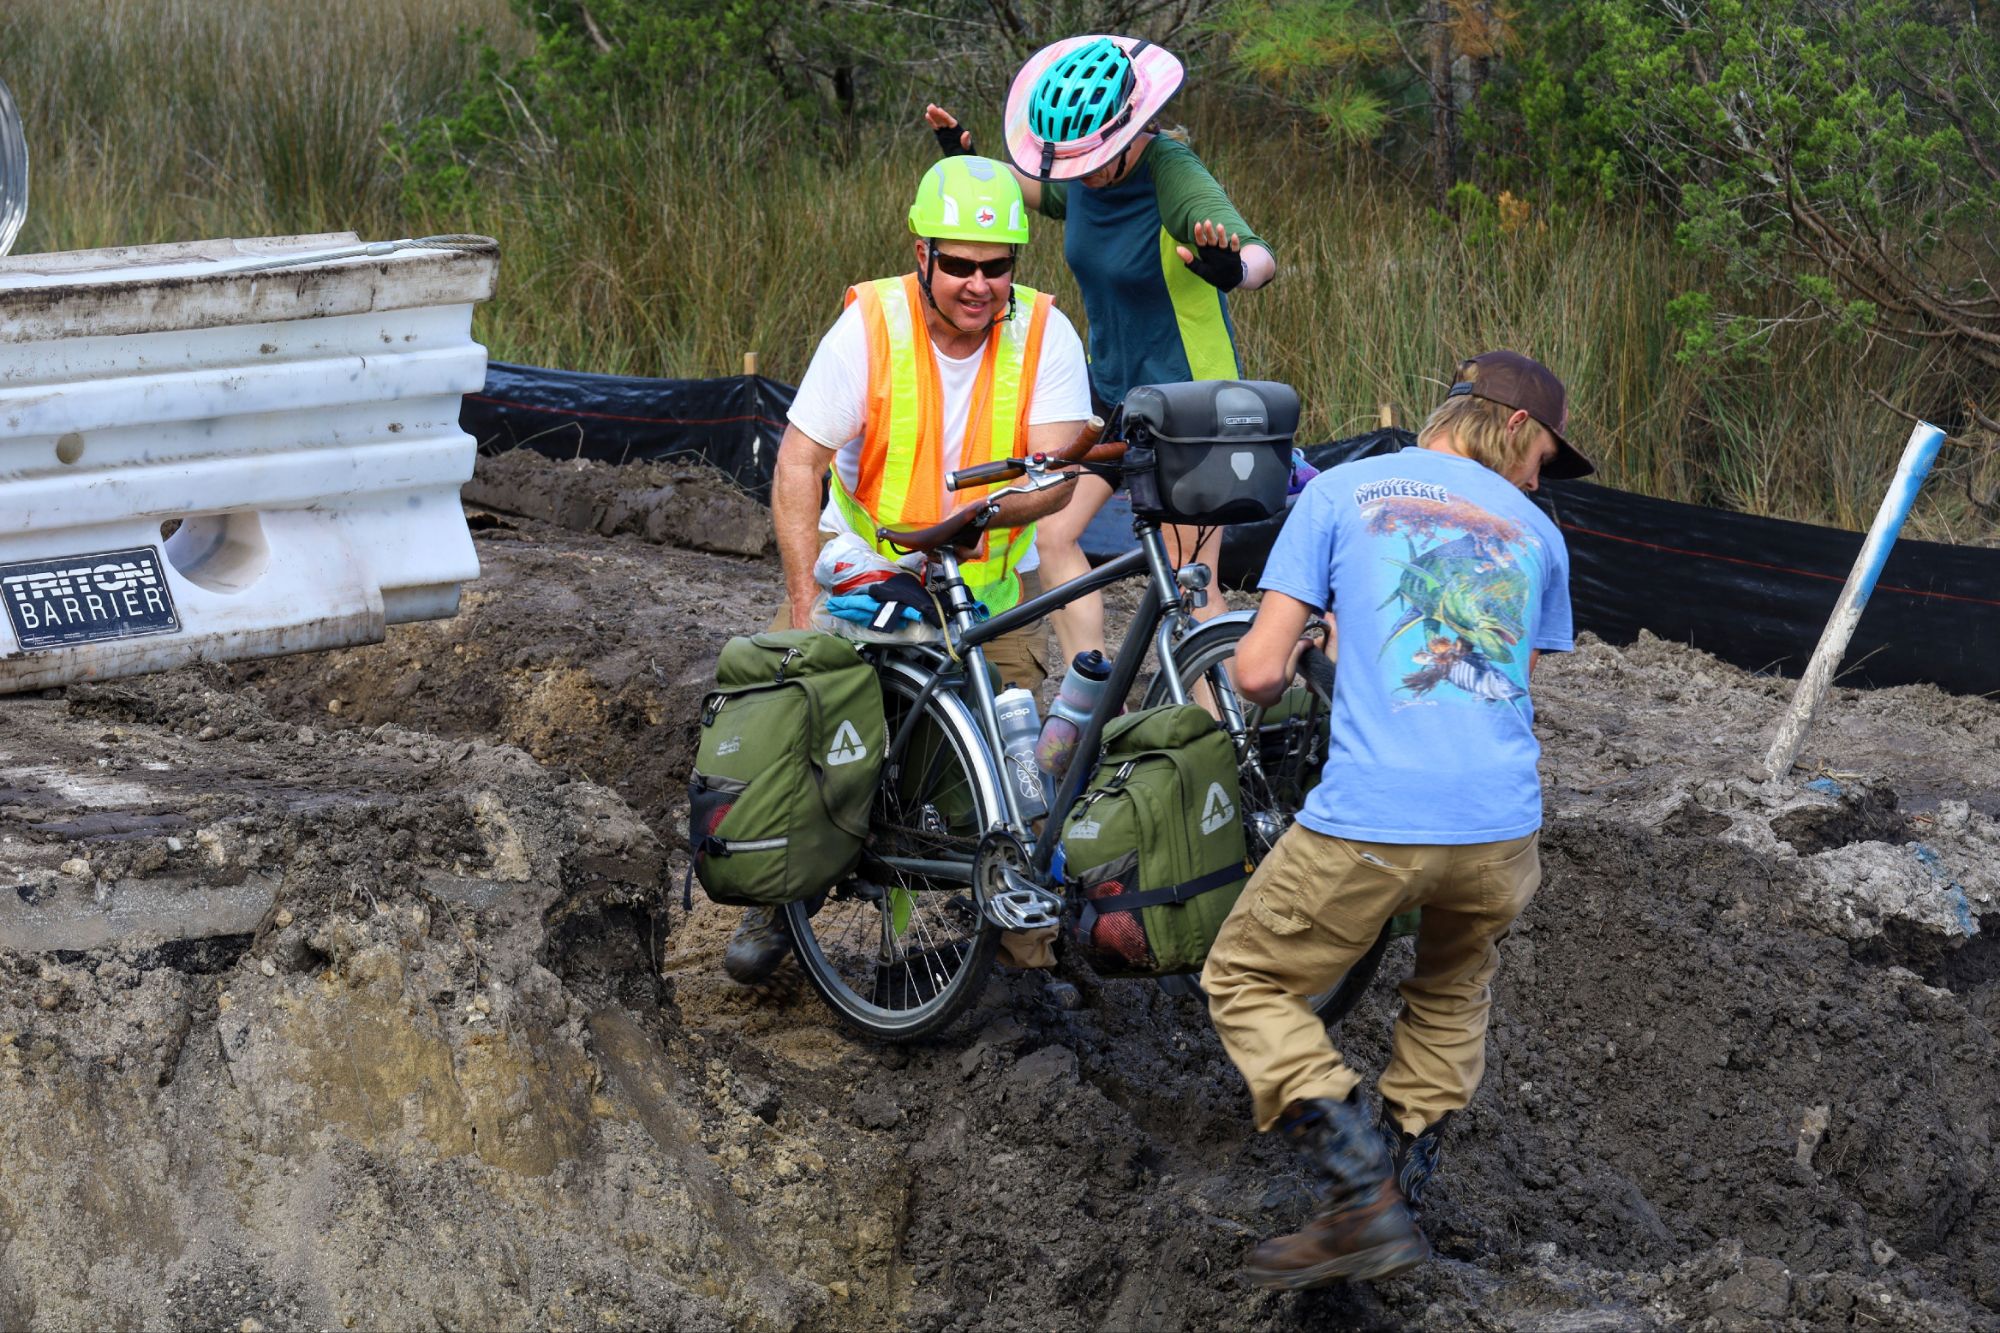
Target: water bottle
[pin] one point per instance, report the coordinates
(1020, 725)
(1082, 686)
(1302, 472)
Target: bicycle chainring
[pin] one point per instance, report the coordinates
(1002, 880)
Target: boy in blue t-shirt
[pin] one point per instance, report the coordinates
(1444, 581)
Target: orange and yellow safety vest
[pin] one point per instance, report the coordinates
(900, 482)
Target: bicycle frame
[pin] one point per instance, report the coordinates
(1154, 624)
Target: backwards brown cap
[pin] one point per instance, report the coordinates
(1513, 380)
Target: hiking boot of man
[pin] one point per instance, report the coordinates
(1362, 1229)
(758, 946)
(1415, 1155)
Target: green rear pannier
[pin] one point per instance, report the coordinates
(1155, 846)
(788, 759)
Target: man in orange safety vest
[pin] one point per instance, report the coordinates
(942, 368)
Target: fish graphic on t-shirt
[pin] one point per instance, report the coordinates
(1469, 593)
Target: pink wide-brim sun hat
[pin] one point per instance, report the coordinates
(1156, 76)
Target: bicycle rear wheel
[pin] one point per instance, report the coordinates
(899, 948)
(1280, 751)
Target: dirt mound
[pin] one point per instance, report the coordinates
(592, 656)
(1741, 1073)
(684, 503)
(384, 1083)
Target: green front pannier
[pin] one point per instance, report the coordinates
(788, 759)
(1155, 845)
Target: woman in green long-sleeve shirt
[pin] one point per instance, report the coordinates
(1154, 243)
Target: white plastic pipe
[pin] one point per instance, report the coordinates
(1918, 456)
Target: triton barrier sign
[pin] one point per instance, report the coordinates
(231, 449)
(114, 595)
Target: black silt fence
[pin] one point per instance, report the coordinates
(733, 423)
(1752, 591)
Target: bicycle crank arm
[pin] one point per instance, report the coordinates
(1022, 904)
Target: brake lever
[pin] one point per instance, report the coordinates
(1040, 479)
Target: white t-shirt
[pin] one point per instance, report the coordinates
(831, 405)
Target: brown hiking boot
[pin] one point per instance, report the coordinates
(1414, 1156)
(1362, 1229)
(759, 944)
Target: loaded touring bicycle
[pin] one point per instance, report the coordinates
(955, 844)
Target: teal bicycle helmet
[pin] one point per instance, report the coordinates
(1081, 93)
(1078, 103)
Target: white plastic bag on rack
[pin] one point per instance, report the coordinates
(915, 631)
(847, 565)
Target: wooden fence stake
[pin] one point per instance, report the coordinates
(1918, 456)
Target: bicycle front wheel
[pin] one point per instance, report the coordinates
(1280, 751)
(899, 949)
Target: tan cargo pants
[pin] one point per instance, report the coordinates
(1310, 912)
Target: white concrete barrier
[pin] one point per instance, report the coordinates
(298, 423)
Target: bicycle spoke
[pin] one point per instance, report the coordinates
(889, 951)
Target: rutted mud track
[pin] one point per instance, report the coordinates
(1743, 1067)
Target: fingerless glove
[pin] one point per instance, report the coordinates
(1218, 266)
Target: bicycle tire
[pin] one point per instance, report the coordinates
(1279, 762)
(1333, 1005)
(1277, 767)
(899, 982)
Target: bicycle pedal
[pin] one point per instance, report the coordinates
(1023, 904)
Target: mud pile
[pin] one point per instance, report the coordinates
(358, 1086)
(1741, 1074)
(683, 503)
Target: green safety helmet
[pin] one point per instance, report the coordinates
(970, 199)
(1081, 92)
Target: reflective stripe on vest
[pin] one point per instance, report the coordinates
(900, 480)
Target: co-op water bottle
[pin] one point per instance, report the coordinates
(1020, 725)
(1082, 686)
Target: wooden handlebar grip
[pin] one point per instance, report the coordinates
(1000, 469)
(1086, 439)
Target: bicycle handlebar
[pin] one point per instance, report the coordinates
(1000, 469)
(1083, 449)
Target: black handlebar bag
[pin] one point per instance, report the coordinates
(1210, 452)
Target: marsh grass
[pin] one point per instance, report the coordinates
(153, 120)
(672, 244)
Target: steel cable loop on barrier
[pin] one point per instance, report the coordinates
(13, 171)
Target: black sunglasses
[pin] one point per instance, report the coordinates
(957, 266)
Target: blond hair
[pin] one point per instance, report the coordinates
(1478, 428)
(1178, 133)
